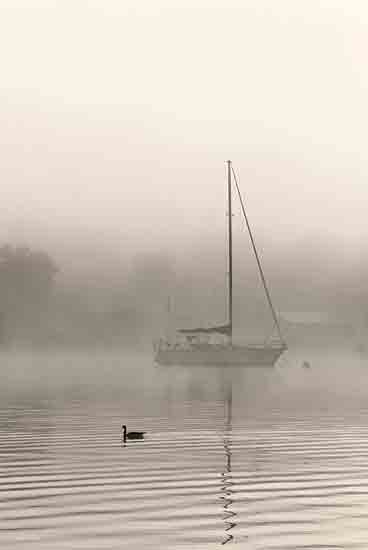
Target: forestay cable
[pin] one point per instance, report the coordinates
(274, 316)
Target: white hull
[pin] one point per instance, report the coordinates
(245, 356)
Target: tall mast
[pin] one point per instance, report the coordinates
(230, 247)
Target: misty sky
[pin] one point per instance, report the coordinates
(117, 117)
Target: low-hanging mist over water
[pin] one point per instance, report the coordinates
(112, 303)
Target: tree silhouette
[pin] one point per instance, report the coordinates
(26, 280)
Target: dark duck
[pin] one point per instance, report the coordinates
(131, 435)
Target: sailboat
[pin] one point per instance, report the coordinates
(201, 345)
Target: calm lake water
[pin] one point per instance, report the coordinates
(264, 459)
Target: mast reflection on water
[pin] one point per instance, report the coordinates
(226, 476)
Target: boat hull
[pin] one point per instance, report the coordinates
(242, 356)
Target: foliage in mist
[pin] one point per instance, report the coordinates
(127, 304)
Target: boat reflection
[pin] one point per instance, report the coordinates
(227, 482)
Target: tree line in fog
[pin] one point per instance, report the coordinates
(41, 306)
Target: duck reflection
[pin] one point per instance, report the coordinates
(226, 475)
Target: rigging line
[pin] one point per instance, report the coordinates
(258, 261)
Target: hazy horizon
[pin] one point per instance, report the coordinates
(117, 120)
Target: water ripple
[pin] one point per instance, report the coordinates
(234, 459)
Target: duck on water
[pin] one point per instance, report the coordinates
(131, 435)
